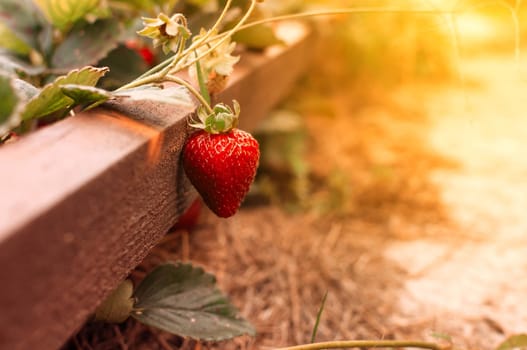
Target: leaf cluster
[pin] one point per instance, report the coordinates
(49, 50)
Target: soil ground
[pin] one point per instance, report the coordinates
(429, 237)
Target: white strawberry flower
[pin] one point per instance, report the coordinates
(168, 32)
(220, 61)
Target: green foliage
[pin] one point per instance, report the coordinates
(184, 300)
(29, 50)
(40, 39)
(10, 41)
(86, 45)
(85, 95)
(26, 22)
(52, 99)
(63, 13)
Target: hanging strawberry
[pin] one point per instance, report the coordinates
(221, 160)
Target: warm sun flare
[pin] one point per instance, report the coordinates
(475, 27)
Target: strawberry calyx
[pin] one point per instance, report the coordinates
(220, 119)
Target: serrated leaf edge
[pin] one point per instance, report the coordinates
(56, 83)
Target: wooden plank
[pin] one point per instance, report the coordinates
(84, 200)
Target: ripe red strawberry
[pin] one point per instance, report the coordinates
(145, 52)
(222, 167)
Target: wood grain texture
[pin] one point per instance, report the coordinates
(84, 200)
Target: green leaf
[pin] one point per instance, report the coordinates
(87, 45)
(85, 95)
(514, 342)
(184, 300)
(10, 102)
(63, 13)
(52, 99)
(118, 305)
(24, 20)
(257, 37)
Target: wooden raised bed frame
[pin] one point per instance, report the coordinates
(84, 200)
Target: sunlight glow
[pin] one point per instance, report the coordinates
(442, 4)
(474, 27)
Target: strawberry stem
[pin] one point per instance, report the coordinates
(342, 11)
(222, 38)
(204, 39)
(242, 25)
(156, 68)
(177, 62)
(201, 81)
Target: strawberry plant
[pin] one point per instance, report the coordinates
(43, 41)
(43, 81)
(207, 56)
(48, 70)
